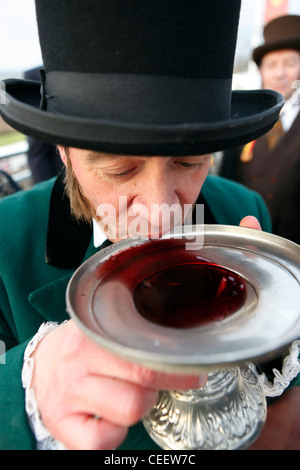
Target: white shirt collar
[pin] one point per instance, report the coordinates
(290, 110)
(98, 235)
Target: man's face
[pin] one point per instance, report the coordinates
(135, 194)
(279, 71)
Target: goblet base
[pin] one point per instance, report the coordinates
(228, 413)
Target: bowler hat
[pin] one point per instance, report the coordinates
(139, 77)
(281, 33)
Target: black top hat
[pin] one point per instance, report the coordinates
(281, 33)
(143, 77)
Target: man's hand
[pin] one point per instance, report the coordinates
(75, 381)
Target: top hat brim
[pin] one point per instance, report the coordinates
(253, 113)
(260, 51)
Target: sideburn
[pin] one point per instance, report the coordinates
(81, 208)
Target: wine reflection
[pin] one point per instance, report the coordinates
(190, 295)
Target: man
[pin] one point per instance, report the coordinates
(271, 164)
(135, 114)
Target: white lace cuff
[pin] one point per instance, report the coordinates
(290, 370)
(43, 437)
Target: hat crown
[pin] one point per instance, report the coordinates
(282, 28)
(150, 37)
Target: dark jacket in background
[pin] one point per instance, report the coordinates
(43, 158)
(275, 175)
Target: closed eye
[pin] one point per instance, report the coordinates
(191, 166)
(121, 174)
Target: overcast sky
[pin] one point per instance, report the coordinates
(19, 45)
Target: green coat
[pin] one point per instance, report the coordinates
(32, 290)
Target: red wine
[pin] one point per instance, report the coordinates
(175, 287)
(189, 295)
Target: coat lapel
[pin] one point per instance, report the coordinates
(67, 239)
(49, 299)
(68, 244)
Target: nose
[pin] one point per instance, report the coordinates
(157, 199)
(280, 71)
(158, 185)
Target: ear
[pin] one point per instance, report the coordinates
(63, 155)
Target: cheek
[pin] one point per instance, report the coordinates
(192, 185)
(294, 75)
(103, 195)
(91, 184)
(267, 79)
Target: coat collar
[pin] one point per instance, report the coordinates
(69, 241)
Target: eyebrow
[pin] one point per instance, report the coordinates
(93, 156)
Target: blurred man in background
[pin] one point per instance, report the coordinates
(271, 164)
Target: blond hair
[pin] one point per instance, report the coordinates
(80, 206)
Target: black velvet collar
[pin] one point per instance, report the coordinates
(67, 239)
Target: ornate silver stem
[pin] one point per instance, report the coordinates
(227, 413)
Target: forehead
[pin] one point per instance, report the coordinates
(106, 158)
(281, 55)
(92, 156)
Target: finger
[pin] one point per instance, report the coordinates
(153, 380)
(85, 432)
(104, 363)
(122, 403)
(250, 222)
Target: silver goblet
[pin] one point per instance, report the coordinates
(116, 295)
(227, 413)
